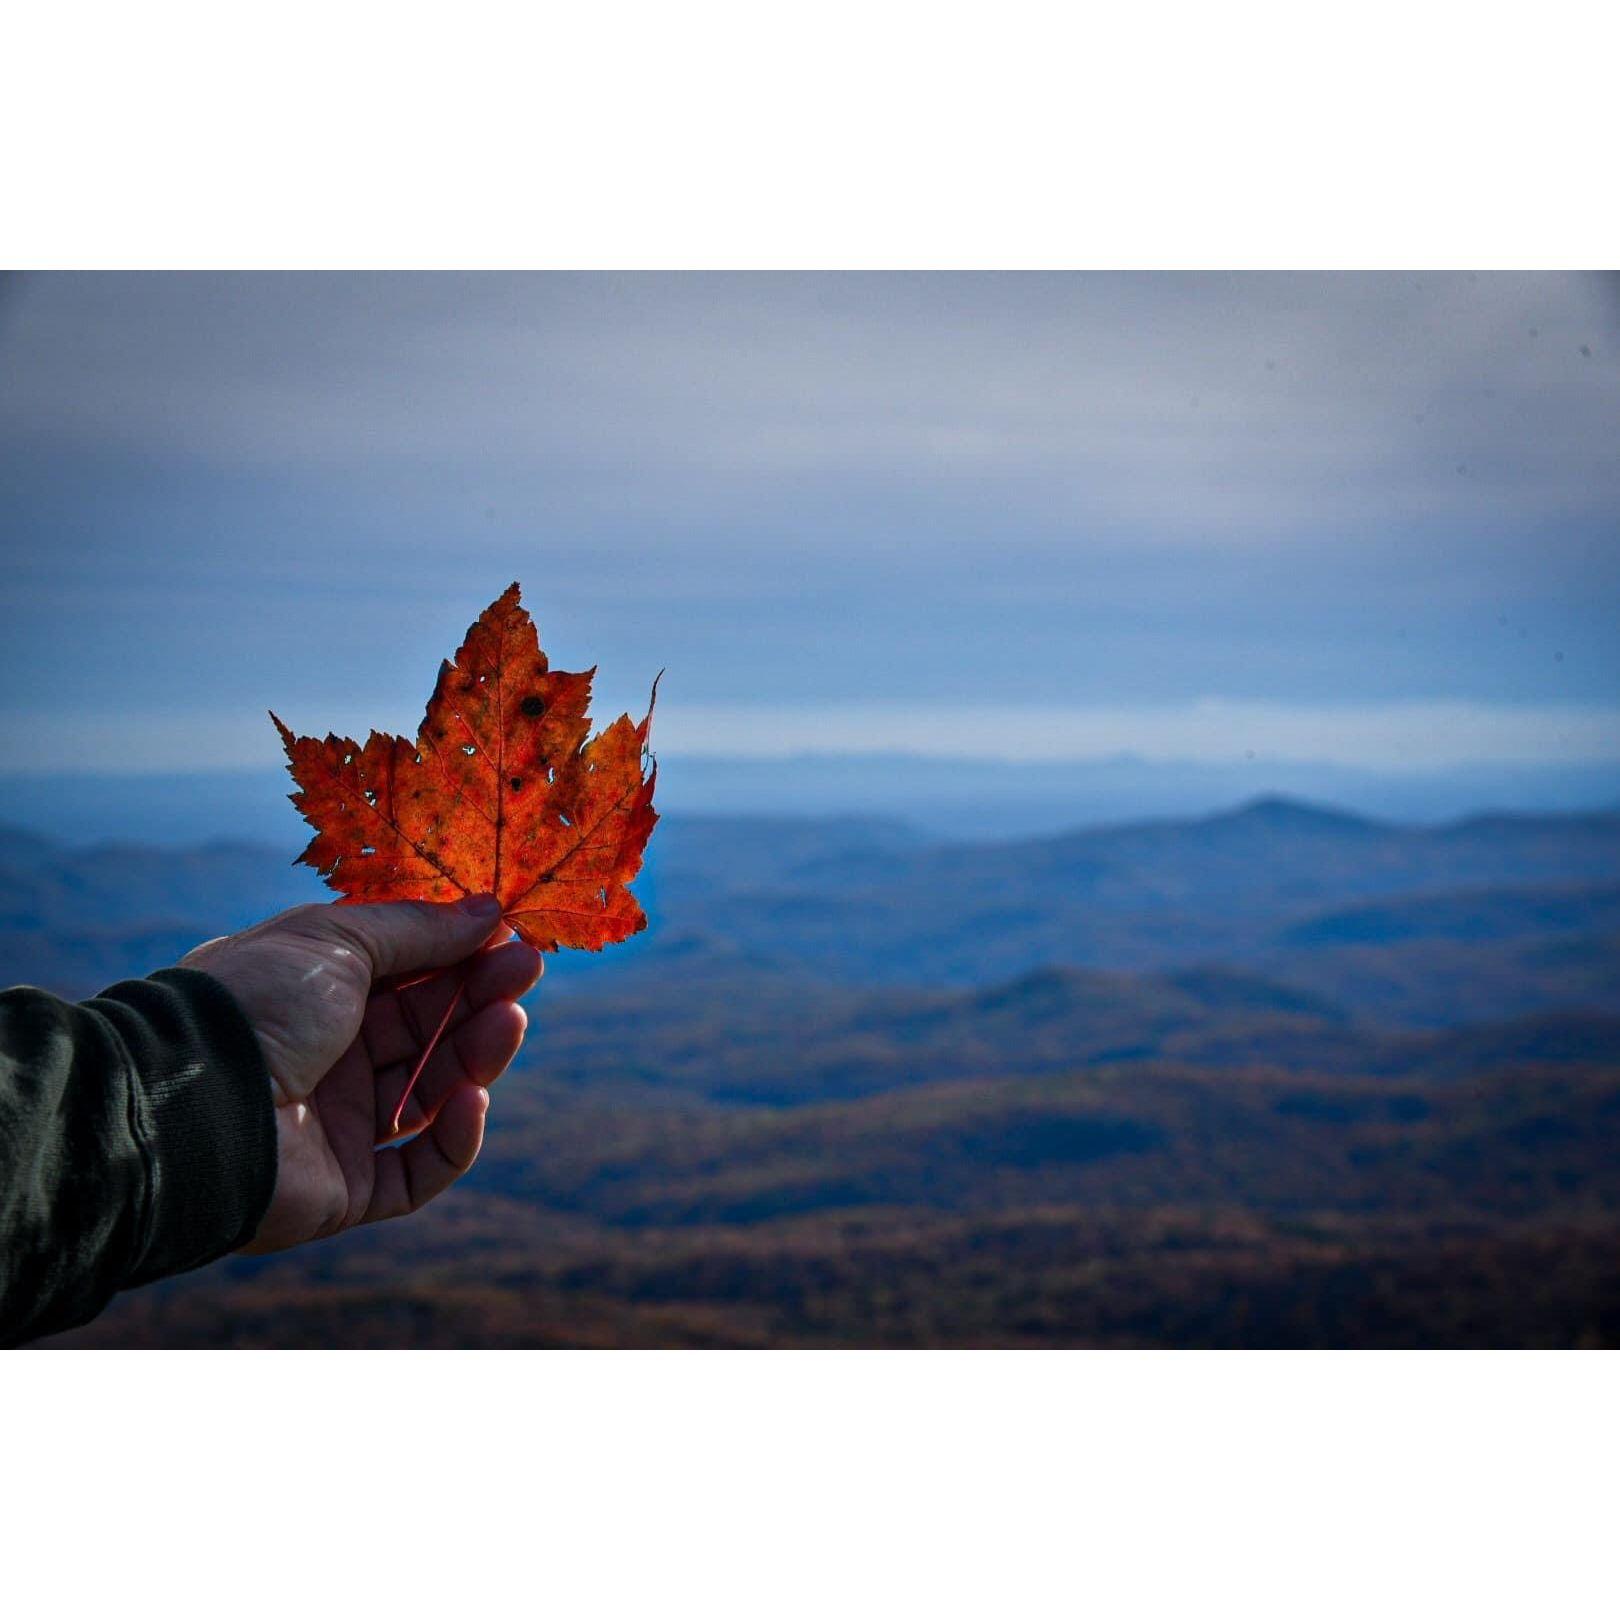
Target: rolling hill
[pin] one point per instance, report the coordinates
(1164, 1207)
(1279, 1076)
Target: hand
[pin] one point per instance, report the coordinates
(340, 1044)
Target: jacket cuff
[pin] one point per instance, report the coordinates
(204, 1113)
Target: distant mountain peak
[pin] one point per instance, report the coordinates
(1055, 980)
(1279, 810)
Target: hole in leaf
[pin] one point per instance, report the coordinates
(468, 749)
(371, 797)
(368, 849)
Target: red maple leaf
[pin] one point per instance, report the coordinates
(499, 794)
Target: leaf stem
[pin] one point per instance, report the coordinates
(421, 1062)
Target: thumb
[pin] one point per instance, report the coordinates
(404, 936)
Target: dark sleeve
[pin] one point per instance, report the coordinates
(137, 1139)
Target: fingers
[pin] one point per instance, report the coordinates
(406, 936)
(399, 1023)
(475, 1052)
(409, 1177)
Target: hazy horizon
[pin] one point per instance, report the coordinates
(952, 801)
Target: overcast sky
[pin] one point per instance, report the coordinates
(1369, 519)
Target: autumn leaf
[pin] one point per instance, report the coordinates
(500, 793)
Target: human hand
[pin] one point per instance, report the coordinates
(341, 1041)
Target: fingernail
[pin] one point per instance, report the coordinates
(480, 905)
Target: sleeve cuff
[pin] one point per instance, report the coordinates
(204, 1113)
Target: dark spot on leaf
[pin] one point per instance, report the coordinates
(516, 784)
(533, 707)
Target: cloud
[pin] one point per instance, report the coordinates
(1196, 410)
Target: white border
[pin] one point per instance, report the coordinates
(844, 135)
(787, 1484)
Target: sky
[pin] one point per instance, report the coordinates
(1371, 521)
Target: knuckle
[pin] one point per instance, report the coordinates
(310, 921)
